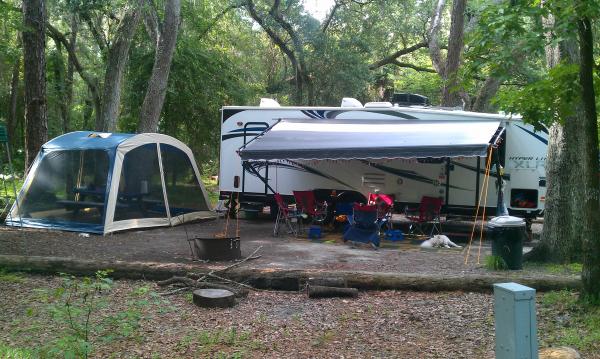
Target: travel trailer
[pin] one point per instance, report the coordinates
(408, 152)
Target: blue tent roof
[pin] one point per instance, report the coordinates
(87, 140)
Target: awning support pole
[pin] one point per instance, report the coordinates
(247, 165)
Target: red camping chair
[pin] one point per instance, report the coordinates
(307, 207)
(284, 215)
(385, 206)
(429, 211)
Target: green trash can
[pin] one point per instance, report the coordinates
(507, 234)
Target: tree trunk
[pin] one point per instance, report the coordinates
(11, 123)
(88, 110)
(34, 46)
(590, 274)
(488, 90)
(69, 76)
(60, 86)
(116, 61)
(157, 86)
(450, 91)
(561, 235)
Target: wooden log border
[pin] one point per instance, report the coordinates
(291, 280)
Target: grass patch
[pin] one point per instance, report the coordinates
(495, 263)
(212, 189)
(555, 268)
(10, 277)
(323, 338)
(570, 321)
(6, 188)
(8, 352)
(221, 343)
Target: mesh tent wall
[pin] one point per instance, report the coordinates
(102, 182)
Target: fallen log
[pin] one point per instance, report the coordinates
(339, 282)
(318, 291)
(281, 279)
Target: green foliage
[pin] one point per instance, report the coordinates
(495, 263)
(547, 100)
(75, 303)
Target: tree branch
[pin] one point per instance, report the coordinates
(219, 16)
(393, 57)
(272, 34)
(414, 67)
(276, 14)
(434, 47)
(58, 37)
(151, 22)
(100, 39)
(329, 17)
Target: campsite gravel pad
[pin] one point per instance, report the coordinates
(169, 245)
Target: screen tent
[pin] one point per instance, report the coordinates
(106, 182)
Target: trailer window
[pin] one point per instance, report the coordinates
(523, 198)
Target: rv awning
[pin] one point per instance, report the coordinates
(371, 139)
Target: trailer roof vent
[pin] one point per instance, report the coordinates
(351, 102)
(409, 99)
(268, 102)
(378, 104)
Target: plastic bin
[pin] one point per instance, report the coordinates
(394, 235)
(507, 234)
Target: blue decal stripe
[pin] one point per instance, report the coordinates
(249, 129)
(234, 135)
(540, 138)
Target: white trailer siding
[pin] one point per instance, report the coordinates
(457, 180)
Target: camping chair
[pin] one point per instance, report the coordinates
(307, 207)
(429, 211)
(364, 226)
(284, 215)
(385, 205)
(343, 215)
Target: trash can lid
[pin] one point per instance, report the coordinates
(506, 221)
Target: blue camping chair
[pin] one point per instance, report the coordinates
(363, 226)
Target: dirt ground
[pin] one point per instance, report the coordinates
(274, 325)
(266, 324)
(169, 244)
(386, 324)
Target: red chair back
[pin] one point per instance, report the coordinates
(384, 203)
(430, 208)
(281, 204)
(305, 202)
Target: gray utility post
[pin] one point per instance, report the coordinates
(516, 327)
